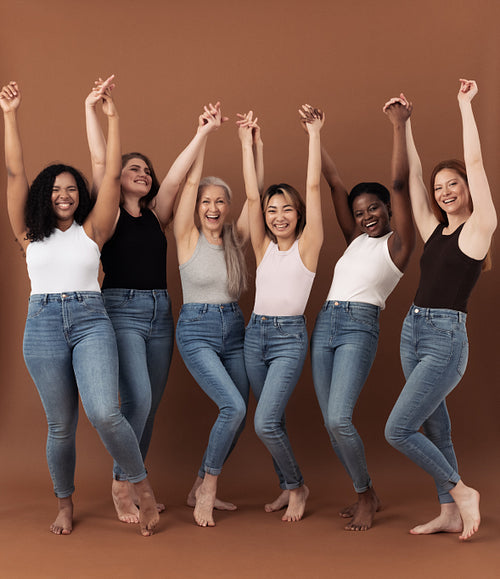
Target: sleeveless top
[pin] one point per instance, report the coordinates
(136, 256)
(66, 261)
(366, 272)
(447, 275)
(204, 275)
(283, 283)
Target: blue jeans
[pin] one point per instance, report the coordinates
(434, 352)
(343, 347)
(70, 349)
(210, 341)
(275, 350)
(144, 328)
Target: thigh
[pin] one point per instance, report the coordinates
(48, 358)
(322, 354)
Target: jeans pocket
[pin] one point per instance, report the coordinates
(294, 331)
(94, 303)
(190, 315)
(35, 308)
(443, 324)
(115, 301)
(364, 315)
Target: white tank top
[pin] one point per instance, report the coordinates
(365, 273)
(66, 261)
(283, 283)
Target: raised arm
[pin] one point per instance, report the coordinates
(101, 220)
(95, 136)
(402, 242)
(17, 182)
(185, 230)
(475, 238)
(311, 240)
(246, 127)
(163, 203)
(423, 214)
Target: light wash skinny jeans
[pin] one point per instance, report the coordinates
(275, 350)
(70, 349)
(144, 328)
(343, 347)
(434, 352)
(210, 341)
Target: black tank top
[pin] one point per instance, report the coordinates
(447, 275)
(136, 256)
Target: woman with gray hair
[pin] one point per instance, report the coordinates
(211, 328)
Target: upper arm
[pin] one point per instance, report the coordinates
(17, 195)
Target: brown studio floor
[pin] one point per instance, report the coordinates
(248, 543)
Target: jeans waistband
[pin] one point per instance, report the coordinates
(130, 293)
(275, 320)
(65, 296)
(437, 312)
(232, 307)
(332, 304)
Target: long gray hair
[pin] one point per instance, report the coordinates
(233, 246)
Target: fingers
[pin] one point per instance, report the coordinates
(10, 90)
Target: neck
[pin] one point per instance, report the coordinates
(131, 206)
(213, 237)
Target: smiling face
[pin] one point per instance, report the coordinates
(452, 193)
(65, 199)
(371, 215)
(281, 216)
(136, 178)
(212, 207)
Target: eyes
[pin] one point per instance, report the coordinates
(70, 189)
(137, 169)
(450, 184)
(371, 209)
(273, 210)
(217, 202)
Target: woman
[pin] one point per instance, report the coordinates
(286, 237)
(210, 328)
(345, 337)
(135, 285)
(456, 223)
(69, 344)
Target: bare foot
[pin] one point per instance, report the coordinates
(296, 504)
(205, 501)
(448, 521)
(280, 503)
(467, 501)
(160, 507)
(349, 511)
(124, 505)
(63, 525)
(218, 505)
(148, 513)
(368, 504)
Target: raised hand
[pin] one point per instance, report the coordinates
(211, 118)
(248, 129)
(311, 118)
(468, 90)
(398, 109)
(101, 87)
(10, 97)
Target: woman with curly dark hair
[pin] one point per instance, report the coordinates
(69, 345)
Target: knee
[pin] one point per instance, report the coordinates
(265, 428)
(235, 412)
(394, 433)
(104, 420)
(339, 426)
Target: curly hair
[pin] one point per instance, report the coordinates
(372, 188)
(155, 184)
(39, 214)
(293, 197)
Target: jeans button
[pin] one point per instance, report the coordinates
(336, 303)
(416, 310)
(264, 318)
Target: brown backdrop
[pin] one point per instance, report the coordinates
(271, 56)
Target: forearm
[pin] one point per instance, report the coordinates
(249, 173)
(258, 153)
(183, 162)
(399, 163)
(14, 161)
(472, 145)
(95, 136)
(113, 148)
